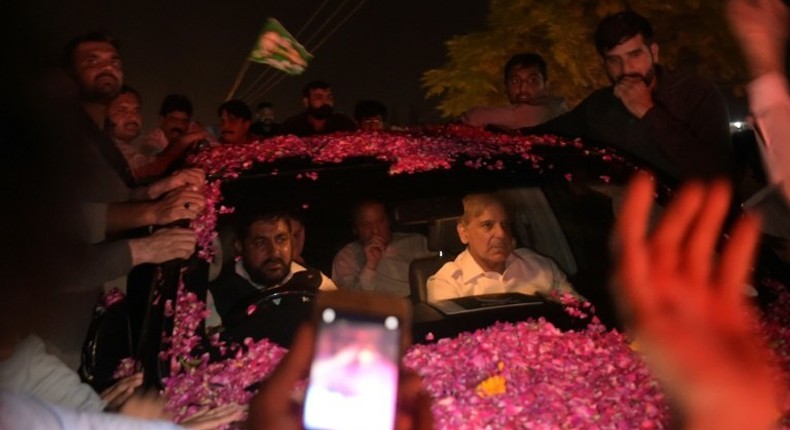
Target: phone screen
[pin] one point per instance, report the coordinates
(354, 374)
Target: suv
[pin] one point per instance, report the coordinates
(562, 196)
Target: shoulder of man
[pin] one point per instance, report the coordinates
(229, 288)
(342, 122)
(307, 278)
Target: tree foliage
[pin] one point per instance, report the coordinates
(692, 36)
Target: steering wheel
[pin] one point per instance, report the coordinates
(274, 316)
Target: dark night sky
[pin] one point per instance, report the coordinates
(197, 48)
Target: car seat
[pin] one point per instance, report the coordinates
(443, 239)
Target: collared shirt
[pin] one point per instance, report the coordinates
(326, 283)
(213, 318)
(525, 272)
(392, 274)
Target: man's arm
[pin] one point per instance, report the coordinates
(176, 205)
(570, 124)
(151, 167)
(762, 29)
(699, 144)
(441, 287)
(770, 104)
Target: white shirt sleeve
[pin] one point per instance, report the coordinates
(442, 286)
(19, 411)
(33, 371)
(769, 100)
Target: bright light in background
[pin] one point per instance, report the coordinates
(737, 126)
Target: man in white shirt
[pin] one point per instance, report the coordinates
(379, 260)
(490, 264)
(175, 128)
(124, 124)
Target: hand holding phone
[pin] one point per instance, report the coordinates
(274, 407)
(354, 373)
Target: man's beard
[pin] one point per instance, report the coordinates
(101, 93)
(321, 112)
(174, 133)
(133, 129)
(266, 278)
(647, 78)
(129, 131)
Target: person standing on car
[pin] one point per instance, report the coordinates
(319, 116)
(379, 259)
(526, 87)
(677, 123)
(490, 264)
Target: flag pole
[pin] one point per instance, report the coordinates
(239, 77)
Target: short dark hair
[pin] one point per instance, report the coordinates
(272, 215)
(525, 60)
(237, 108)
(176, 102)
(616, 28)
(356, 209)
(315, 85)
(368, 109)
(67, 60)
(262, 105)
(126, 89)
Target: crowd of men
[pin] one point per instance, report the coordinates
(128, 183)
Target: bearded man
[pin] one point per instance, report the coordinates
(319, 116)
(265, 266)
(672, 121)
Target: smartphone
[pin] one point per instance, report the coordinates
(353, 382)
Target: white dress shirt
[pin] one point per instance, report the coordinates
(769, 100)
(525, 272)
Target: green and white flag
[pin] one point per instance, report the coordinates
(276, 47)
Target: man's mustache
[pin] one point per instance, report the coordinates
(632, 76)
(106, 74)
(274, 261)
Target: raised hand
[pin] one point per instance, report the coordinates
(762, 28)
(636, 96)
(686, 306)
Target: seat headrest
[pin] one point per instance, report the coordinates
(443, 236)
